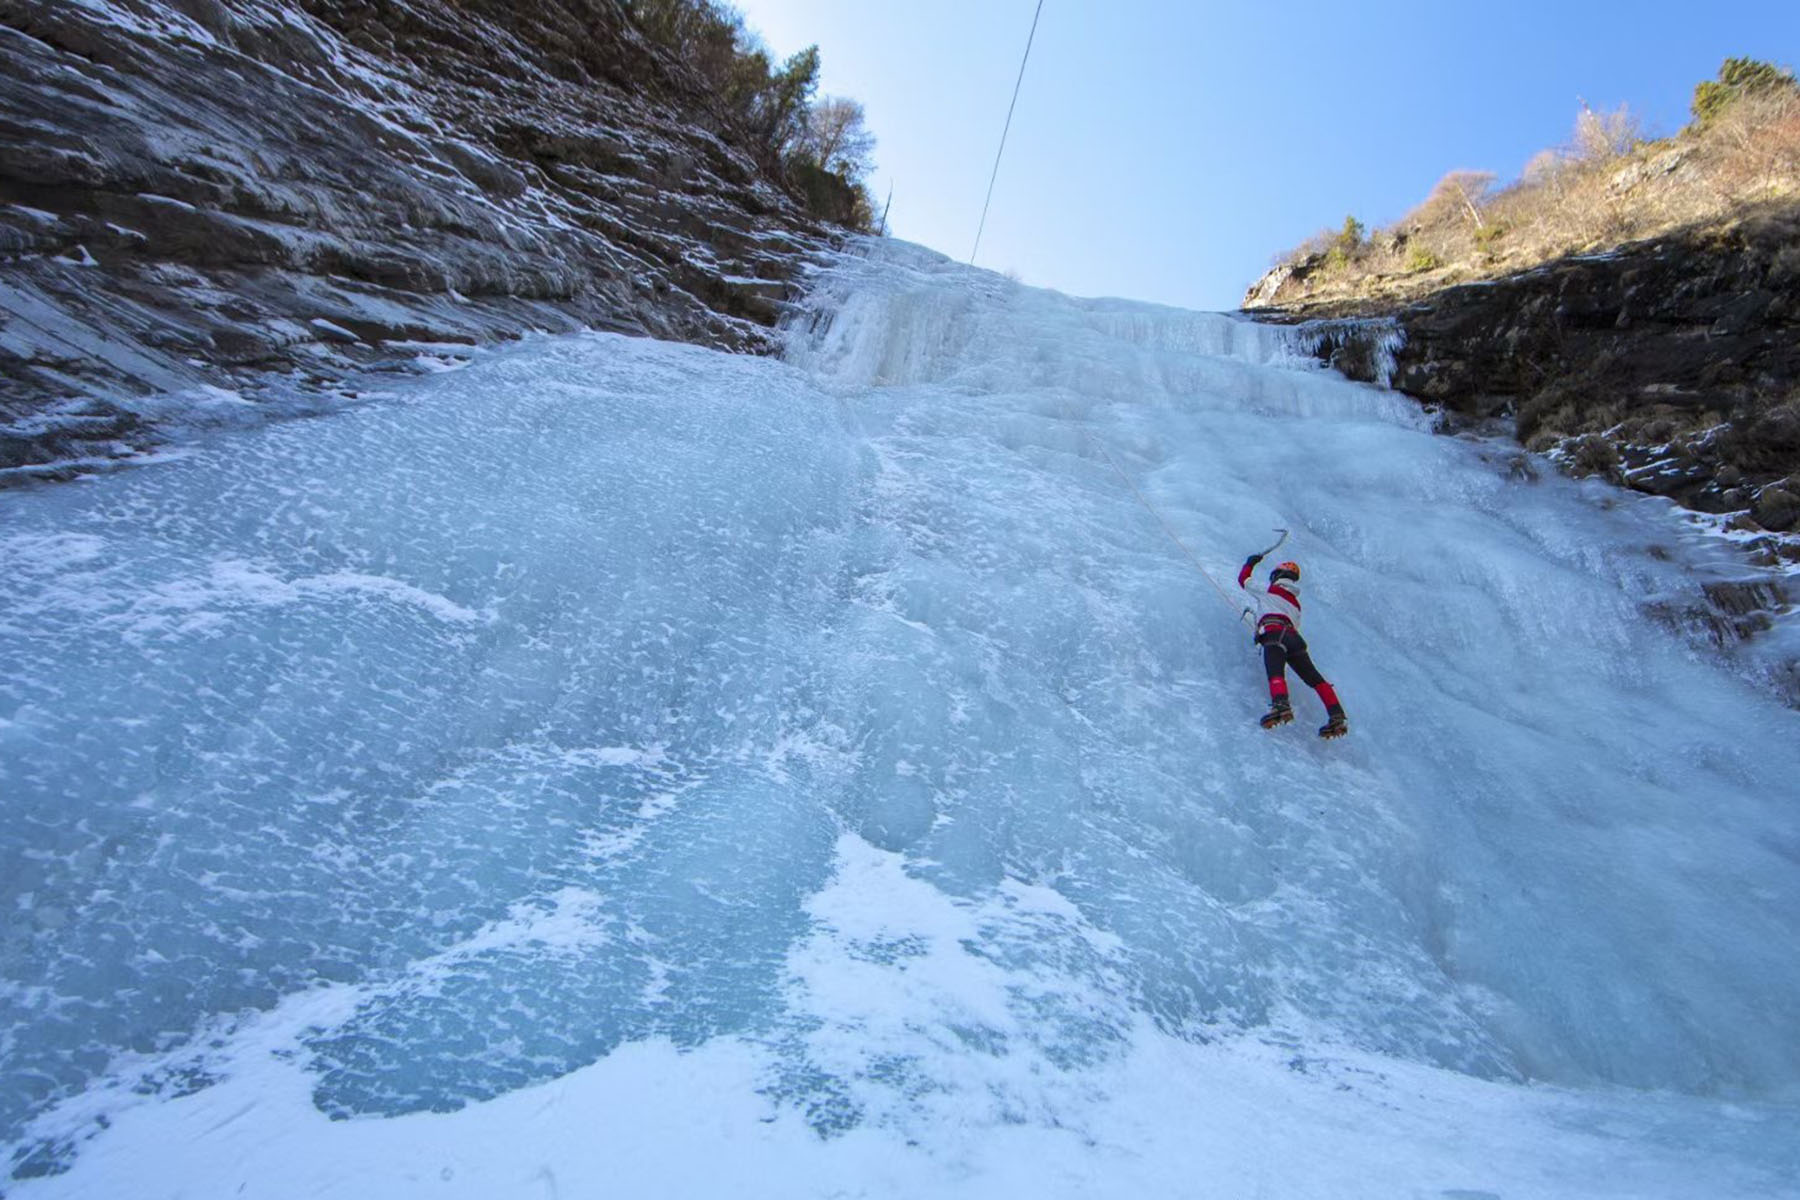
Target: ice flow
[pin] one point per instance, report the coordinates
(531, 707)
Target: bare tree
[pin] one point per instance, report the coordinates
(1601, 136)
(1545, 169)
(837, 138)
(1457, 195)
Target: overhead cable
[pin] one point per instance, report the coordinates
(1004, 130)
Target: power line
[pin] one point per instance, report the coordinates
(1007, 128)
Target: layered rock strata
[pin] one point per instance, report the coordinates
(215, 209)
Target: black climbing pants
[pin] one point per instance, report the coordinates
(1287, 648)
(1283, 647)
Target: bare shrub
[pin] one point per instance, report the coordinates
(1757, 141)
(1455, 198)
(1318, 243)
(1604, 136)
(1336, 245)
(1546, 169)
(1608, 186)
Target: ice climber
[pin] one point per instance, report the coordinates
(1278, 633)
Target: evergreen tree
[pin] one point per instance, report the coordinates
(1738, 77)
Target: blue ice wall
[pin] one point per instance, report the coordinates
(631, 633)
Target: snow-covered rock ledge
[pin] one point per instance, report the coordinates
(263, 198)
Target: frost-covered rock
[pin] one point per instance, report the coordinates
(1662, 164)
(1777, 508)
(263, 195)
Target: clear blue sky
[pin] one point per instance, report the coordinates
(1166, 150)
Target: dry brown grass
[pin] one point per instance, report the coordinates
(1608, 186)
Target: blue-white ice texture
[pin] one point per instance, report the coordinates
(631, 633)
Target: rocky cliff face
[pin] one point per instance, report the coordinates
(215, 209)
(1670, 366)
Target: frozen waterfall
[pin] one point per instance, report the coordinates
(620, 764)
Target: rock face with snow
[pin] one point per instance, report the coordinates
(223, 207)
(1671, 366)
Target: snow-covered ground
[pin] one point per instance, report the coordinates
(622, 768)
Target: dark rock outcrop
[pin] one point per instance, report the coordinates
(232, 205)
(1670, 366)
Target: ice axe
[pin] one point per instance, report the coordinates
(1249, 615)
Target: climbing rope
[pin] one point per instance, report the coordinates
(1005, 130)
(1242, 612)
